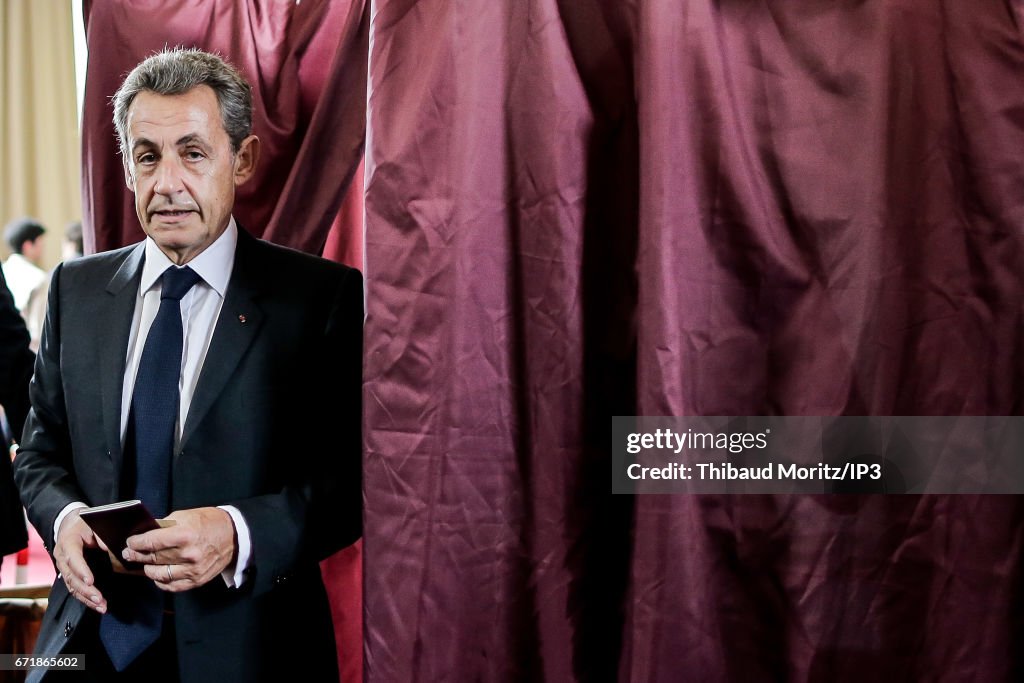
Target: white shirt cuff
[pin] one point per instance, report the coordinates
(234, 577)
(68, 509)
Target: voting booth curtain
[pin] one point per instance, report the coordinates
(580, 209)
(576, 209)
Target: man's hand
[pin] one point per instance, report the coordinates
(73, 537)
(187, 555)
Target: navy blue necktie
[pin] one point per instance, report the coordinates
(135, 616)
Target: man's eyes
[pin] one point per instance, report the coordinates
(190, 155)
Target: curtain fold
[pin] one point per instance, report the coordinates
(830, 225)
(500, 245)
(584, 209)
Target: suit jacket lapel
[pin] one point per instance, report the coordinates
(123, 289)
(239, 321)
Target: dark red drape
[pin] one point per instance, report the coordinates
(589, 208)
(307, 64)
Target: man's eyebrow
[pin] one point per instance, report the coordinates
(142, 142)
(191, 139)
(185, 140)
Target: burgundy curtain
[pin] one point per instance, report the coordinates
(307, 63)
(587, 208)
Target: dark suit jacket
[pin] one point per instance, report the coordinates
(15, 372)
(273, 428)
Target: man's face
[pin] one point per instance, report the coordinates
(181, 168)
(33, 250)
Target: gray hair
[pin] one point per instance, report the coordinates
(176, 71)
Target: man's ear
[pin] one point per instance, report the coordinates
(128, 179)
(246, 158)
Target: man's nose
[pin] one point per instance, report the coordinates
(168, 177)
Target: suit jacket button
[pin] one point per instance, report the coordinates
(68, 629)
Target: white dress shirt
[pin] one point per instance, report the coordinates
(200, 308)
(23, 277)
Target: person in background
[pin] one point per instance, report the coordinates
(216, 378)
(15, 372)
(72, 247)
(34, 311)
(26, 238)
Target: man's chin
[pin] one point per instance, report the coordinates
(180, 231)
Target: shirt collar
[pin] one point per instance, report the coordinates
(213, 264)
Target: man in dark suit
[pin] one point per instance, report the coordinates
(15, 372)
(216, 378)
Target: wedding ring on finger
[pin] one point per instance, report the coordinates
(169, 579)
